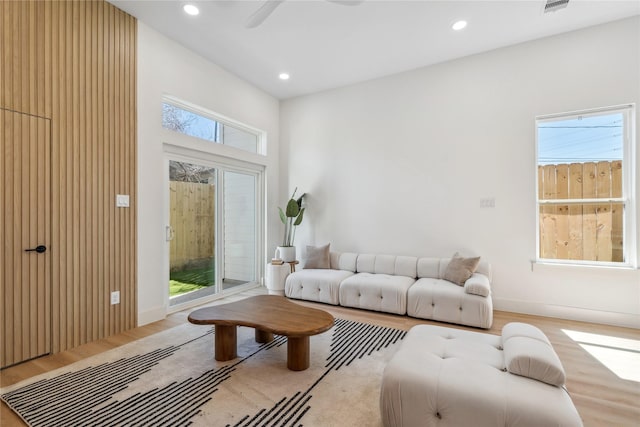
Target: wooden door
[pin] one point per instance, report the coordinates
(25, 216)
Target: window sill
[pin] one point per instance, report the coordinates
(544, 263)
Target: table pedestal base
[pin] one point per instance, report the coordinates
(225, 343)
(298, 353)
(263, 336)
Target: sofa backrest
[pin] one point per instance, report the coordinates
(343, 261)
(398, 265)
(435, 267)
(387, 264)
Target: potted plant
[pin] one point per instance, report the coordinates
(291, 217)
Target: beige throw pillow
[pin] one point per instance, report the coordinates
(460, 269)
(318, 257)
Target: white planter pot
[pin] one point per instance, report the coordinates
(286, 253)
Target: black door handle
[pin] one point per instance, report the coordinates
(40, 249)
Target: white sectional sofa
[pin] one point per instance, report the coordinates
(399, 285)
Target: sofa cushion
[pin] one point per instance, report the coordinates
(343, 261)
(318, 257)
(460, 269)
(435, 268)
(429, 267)
(378, 292)
(387, 264)
(518, 329)
(406, 266)
(444, 301)
(478, 284)
(528, 352)
(366, 263)
(321, 285)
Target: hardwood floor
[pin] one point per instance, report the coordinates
(600, 392)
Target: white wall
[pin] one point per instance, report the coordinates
(398, 165)
(166, 68)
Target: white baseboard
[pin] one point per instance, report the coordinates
(628, 320)
(152, 315)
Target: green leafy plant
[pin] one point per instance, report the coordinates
(291, 217)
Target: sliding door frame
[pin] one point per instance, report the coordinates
(221, 164)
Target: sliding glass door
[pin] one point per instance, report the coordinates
(213, 230)
(239, 236)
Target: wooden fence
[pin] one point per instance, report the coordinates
(587, 231)
(193, 222)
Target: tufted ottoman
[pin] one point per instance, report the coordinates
(448, 377)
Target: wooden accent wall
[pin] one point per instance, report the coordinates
(74, 62)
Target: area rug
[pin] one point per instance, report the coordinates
(172, 379)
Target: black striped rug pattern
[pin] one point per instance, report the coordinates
(80, 398)
(350, 341)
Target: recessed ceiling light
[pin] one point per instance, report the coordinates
(191, 9)
(284, 76)
(459, 25)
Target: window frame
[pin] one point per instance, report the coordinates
(628, 198)
(261, 146)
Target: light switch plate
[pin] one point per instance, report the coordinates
(122, 200)
(488, 203)
(115, 297)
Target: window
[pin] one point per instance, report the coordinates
(585, 170)
(200, 124)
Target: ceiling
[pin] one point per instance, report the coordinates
(323, 44)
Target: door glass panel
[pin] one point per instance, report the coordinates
(239, 229)
(192, 195)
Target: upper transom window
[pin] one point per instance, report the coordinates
(210, 127)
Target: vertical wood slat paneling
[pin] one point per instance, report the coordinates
(8, 255)
(74, 62)
(23, 280)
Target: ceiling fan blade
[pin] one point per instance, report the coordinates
(262, 13)
(347, 2)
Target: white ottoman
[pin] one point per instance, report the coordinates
(449, 377)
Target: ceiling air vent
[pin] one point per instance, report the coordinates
(553, 5)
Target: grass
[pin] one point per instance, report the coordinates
(179, 288)
(181, 282)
